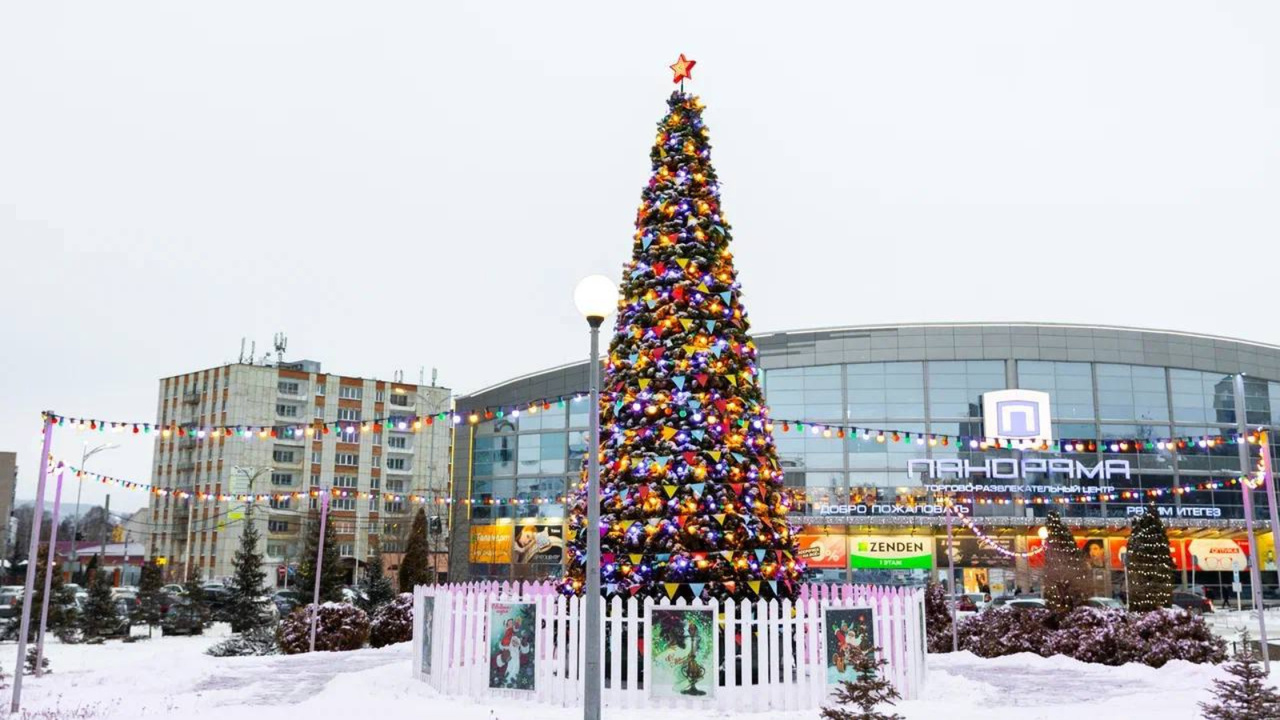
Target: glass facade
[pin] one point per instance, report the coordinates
(525, 464)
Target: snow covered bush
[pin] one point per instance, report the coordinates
(340, 626)
(393, 622)
(1005, 631)
(254, 642)
(937, 617)
(1174, 634)
(1093, 635)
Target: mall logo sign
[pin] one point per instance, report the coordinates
(1020, 416)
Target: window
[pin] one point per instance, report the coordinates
(495, 456)
(391, 546)
(285, 479)
(397, 463)
(956, 387)
(345, 481)
(879, 391)
(278, 550)
(320, 389)
(280, 503)
(1132, 392)
(346, 459)
(397, 441)
(373, 483)
(373, 504)
(350, 392)
(285, 410)
(1069, 384)
(345, 550)
(343, 503)
(315, 479)
(379, 396)
(395, 485)
(811, 393)
(543, 453)
(399, 400)
(348, 414)
(287, 388)
(395, 506)
(344, 527)
(282, 456)
(278, 526)
(315, 456)
(376, 461)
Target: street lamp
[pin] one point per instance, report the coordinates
(84, 459)
(596, 298)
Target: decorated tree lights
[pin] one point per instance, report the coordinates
(1149, 563)
(1066, 572)
(692, 497)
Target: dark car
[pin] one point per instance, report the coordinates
(1192, 602)
(182, 618)
(218, 600)
(286, 601)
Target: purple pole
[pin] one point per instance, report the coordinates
(32, 548)
(48, 573)
(315, 595)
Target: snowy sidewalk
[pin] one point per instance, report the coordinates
(172, 678)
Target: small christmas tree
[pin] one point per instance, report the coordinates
(1149, 564)
(30, 663)
(869, 691)
(331, 574)
(100, 617)
(376, 589)
(193, 591)
(1246, 695)
(149, 596)
(691, 491)
(1066, 571)
(246, 582)
(62, 613)
(415, 566)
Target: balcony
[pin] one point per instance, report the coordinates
(191, 398)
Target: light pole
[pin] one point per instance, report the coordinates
(596, 297)
(75, 526)
(253, 474)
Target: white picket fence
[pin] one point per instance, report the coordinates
(772, 655)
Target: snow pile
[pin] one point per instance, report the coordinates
(340, 626)
(392, 623)
(260, 642)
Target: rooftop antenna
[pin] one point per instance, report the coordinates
(240, 359)
(253, 352)
(434, 374)
(281, 343)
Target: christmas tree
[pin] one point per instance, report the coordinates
(867, 693)
(150, 598)
(692, 498)
(100, 617)
(1066, 572)
(415, 566)
(330, 573)
(375, 587)
(246, 583)
(62, 609)
(1149, 564)
(1246, 695)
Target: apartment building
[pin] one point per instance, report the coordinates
(360, 456)
(8, 486)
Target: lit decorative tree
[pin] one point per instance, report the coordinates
(692, 498)
(1066, 573)
(1149, 564)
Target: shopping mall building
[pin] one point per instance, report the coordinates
(878, 426)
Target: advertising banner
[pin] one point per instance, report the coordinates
(891, 552)
(684, 652)
(513, 628)
(971, 552)
(847, 629)
(538, 543)
(1100, 553)
(491, 544)
(1219, 554)
(822, 551)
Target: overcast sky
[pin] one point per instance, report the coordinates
(407, 184)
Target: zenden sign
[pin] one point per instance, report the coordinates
(890, 552)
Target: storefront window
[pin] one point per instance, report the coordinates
(811, 393)
(956, 387)
(878, 391)
(495, 456)
(542, 453)
(1069, 384)
(1132, 392)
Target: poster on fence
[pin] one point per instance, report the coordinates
(428, 617)
(684, 652)
(513, 628)
(847, 629)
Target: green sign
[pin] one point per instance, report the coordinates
(890, 552)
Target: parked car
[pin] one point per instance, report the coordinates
(10, 601)
(353, 595)
(1002, 600)
(182, 618)
(1193, 602)
(174, 590)
(286, 600)
(217, 598)
(267, 608)
(1104, 603)
(964, 603)
(1027, 603)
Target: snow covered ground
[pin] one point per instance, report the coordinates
(172, 678)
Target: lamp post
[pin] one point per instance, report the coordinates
(85, 454)
(596, 298)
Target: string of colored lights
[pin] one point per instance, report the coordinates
(414, 422)
(992, 544)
